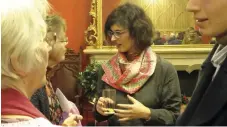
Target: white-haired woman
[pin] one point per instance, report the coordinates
(24, 57)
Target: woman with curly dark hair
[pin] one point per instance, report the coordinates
(147, 86)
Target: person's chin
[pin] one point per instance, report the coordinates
(121, 50)
(61, 59)
(44, 81)
(211, 32)
(206, 32)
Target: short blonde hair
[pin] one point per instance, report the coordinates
(23, 28)
(55, 22)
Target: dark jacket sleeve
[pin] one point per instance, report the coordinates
(170, 96)
(35, 99)
(112, 119)
(40, 100)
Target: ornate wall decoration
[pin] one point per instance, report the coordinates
(93, 34)
(166, 15)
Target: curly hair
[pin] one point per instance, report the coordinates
(133, 18)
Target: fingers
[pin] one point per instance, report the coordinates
(75, 116)
(78, 117)
(124, 119)
(71, 120)
(101, 99)
(108, 113)
(101, 102)
(109, 101)
(101, 106)
(121, 115)
(74, 123)
(103, 111)
(133, 100)
(122, 111)
(125, 106)
(105, 101)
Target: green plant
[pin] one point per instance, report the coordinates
(88, 80)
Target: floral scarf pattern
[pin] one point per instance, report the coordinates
(54, 105)
(136, 73)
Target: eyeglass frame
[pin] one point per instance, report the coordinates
(56, 40)
(117, 34)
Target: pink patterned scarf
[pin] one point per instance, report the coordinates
(136, 73)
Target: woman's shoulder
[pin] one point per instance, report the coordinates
(39, 94)
(40, 91)
(164, 64)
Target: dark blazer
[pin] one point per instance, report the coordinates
(161, 93)
(208, 105)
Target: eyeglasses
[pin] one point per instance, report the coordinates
(65, 40)
(116, 34)
(54, 38)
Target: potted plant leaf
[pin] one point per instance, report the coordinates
(88, 80)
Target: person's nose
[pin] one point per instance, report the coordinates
(113, 38)
(193, 6)
(66, 43)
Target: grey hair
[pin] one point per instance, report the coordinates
(23, 29)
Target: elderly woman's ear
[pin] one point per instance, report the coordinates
(16, 67)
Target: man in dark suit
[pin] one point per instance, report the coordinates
(208, 105)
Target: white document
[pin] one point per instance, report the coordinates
(64, 103)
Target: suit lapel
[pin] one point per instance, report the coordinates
(205, 75)
(214, 95)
